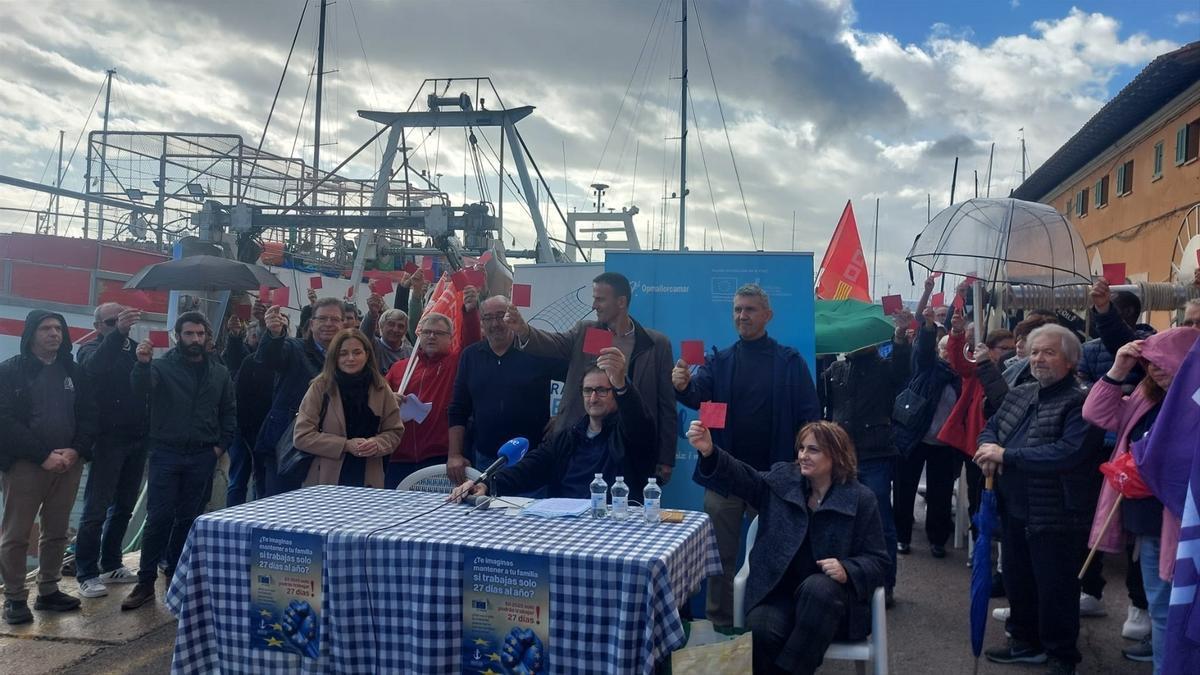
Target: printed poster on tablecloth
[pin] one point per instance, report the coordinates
(506, 613)
(285, 591)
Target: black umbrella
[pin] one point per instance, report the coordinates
(203, 273)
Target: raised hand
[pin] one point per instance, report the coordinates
(700, 438)
(1126, 358)
(470, 298)
(1101, 295)
(612, 362)
(127, 318)
(275, 321)
(514, 320)
(681, 375)
(145, 351)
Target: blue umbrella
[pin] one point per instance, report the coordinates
(981, 567)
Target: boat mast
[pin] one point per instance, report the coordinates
(58, 183)
(1022, 130)
(320, 83)
(108, 75)
(683, 107)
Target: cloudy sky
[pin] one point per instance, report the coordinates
(823, 100)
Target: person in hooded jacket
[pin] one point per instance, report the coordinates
(49, 422)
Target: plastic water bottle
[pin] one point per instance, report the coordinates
(599, 497)
(651, 500)
(620, 499)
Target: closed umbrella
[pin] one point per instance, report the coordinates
(846, 325)
(981, 567)
(203, 273)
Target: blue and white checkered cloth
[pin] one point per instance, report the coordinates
(392, 583)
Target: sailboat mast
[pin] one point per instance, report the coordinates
(320, 83)
(683, 107)
(1022, 154)
(108, 75)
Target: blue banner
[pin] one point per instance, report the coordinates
(689, 296)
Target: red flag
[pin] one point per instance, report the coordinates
(446, 300)
(843, 271)
(1122, 475)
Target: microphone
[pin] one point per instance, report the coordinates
(509, 453)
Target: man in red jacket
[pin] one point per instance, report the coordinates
(426, 439)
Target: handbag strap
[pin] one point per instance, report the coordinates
(321, 417)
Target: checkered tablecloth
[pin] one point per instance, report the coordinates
(392, 583)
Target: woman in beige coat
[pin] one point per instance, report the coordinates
(349, 420)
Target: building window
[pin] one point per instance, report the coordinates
(1081, 203)
(1158, 159)
(1187, 142)
(1125, 178)
(1100, 193)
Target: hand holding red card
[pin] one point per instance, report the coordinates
(316, 283)
(960, 302)
(381, 286)
(596, 339)
(712, 414)
(522, 295)
(692, 352)
(892, 304)
(476, 278)
(159, 339)
(1114, 273)
(281, 296)
(411, 267)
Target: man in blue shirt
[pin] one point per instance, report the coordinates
(616, 437)
(770, 394)
(500, 392)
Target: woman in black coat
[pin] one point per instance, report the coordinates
(820, 553)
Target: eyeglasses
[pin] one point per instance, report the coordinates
(110, 322)
(429, 333)
(327, 319)
(602, 392)
(493, 318)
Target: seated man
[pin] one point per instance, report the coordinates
(615, 437)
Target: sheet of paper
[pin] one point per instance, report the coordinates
(558, 507)
(414, 409)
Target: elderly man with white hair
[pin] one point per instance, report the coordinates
(1045, 457)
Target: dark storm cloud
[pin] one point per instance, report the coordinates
(955, 145)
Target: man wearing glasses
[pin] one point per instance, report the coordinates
(615, 437)
(425, 401)
(500, 393)
(119, 456)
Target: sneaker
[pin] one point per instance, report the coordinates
(1137, 624)
(1090, 605)
(1143, 651)
(56, 602)
(1016, 652)
(92, 588)
(121, 575)
(17, 612)
(937, 550)
(903, 548)
(1001, 613)
(142, 593)
(1059, 667)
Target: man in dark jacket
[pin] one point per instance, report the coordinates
(770, 394)
(119, 458)
(253, 385)
(859, 394)
(1115, 316)
(1048, 454)
(615, 438)
(295, 362)
(647, 351)
(48, 419)
(193, 419)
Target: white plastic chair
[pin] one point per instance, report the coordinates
(871, 651)
(433, 479)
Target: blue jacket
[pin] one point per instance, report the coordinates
(295, 363)
(794, 398)
(930, 376)
(1099, 354)
(846, 526)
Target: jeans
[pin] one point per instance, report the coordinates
(1040, 579)
(176, 490)
(792, 628)
(395, 472)
(243, 464)
(1158, 597)
(726, 514)
(877, 475)
(938, 462)
(114, 479)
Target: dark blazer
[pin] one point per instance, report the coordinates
(846, 526)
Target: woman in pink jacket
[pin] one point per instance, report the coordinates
(1131, 417)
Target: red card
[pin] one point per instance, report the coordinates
(712, 414)
(316, 283)
(938, 300)
(692, 352)
(460, 280)
(1114, 273)
(476, 278)
(427, 263)
(522, 295)
(380, 285)
(914, 324)
(281, 296)
(596, 339)
(242, 312)
(892, 304)
(410, 267)
(159, 339)
(960, 302)
(264, 295)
